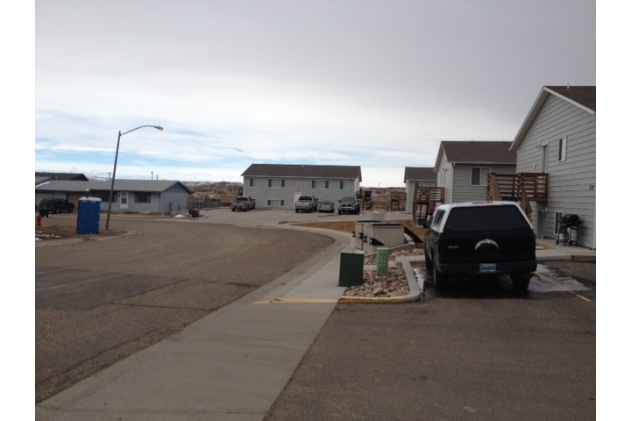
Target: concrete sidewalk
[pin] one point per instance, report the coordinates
(232, 364)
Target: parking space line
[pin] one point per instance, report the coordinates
(297, 301)
(545, 278)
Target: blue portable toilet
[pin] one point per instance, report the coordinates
(89, 215)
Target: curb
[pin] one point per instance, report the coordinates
(415, 290)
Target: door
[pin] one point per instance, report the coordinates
(124, 200)
(297, 196)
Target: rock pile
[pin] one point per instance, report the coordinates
(392, 284)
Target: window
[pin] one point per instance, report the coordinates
(344, 185)
(278, 203)
(320, 184)
(438, 218)
(487, 218)
(562, 148)
(143, 197)
(276, 183)
(479, 176)
(253, 182)
(103, 195)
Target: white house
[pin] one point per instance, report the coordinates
(462, 167)
(558, 137)
(279, 186)
(414, 177)
(141, 196)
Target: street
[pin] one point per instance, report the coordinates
(98, 302)
(476, 351)
(473, 351)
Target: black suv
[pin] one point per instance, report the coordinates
(480, 238)
(56, 205)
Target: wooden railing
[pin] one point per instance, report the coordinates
(535, 186)
(425, 201)
(523, 188)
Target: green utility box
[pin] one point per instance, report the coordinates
(351, 268)
(382, 261)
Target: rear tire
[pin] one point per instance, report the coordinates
(521, 282)
(428, 261)
(440, 280)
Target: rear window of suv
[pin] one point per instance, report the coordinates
(485, 218)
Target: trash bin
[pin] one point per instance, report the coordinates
(89, 215)
(351, 268)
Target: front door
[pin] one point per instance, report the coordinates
(124, 200)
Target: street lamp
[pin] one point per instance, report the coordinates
(109, 206)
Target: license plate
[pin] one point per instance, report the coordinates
(487, 267)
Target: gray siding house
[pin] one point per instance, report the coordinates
(462, 167)
(134, 196)
(558, 137)
(279, 186)
(414, 177)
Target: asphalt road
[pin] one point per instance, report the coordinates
(473, 352)
(98, 302)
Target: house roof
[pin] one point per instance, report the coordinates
(584, 97)
(40, 180)
(476, 152)
(119, 185)
(61, 176)
(303, 171)
(419, 173)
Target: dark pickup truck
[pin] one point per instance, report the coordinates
(480, 239)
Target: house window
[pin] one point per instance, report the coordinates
(344, 185)
(277, 203)
(143, 197)
(479, 176)
(562, 148)
(103, 195)
(276, 183)
(320, 184)
(253, 182)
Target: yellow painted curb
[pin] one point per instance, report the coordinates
(297, 301)
(557, 284)
(366, 300)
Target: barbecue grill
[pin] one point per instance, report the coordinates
(568, 230)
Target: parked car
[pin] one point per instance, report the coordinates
(480, 239)
(243, 203)
(348, 204)
(55, 206)
(326, 206)
(306, 203)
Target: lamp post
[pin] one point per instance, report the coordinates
(109, 206)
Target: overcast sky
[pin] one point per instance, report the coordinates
(372, 83)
